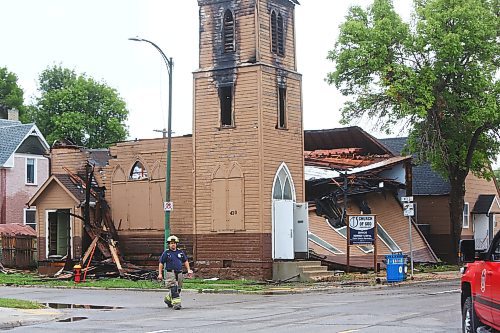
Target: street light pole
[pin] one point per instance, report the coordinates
(170, 64)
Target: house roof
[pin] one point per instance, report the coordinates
(345, 137)
(425, 181)
(72, 188)
(485, 204)
(395, 145)
(15, 229)
(13, 134)
(315, 172)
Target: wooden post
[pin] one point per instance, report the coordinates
(348, 245)
(375, 246)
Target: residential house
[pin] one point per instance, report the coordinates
(24, 167)
(431, 194)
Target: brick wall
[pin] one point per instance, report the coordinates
(17, 192)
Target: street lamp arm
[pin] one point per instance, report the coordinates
(168, 61)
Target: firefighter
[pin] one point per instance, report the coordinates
(172, 260)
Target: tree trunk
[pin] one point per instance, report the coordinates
(456, 213)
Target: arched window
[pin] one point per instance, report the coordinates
(138, 172)
(277, 34)
(281, 42)
(274, 33)
(283, 186)
(229, 31)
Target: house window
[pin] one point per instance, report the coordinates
(58, 232)
(228, 31)
(30, 218)
(138, 172)
(226, 106)
(466, 216)
(282, 107)
(30, 171)
(277, 34)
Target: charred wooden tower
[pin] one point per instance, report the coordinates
(248, 137)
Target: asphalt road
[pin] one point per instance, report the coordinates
(426, 307)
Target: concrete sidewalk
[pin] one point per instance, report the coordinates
(11, 318)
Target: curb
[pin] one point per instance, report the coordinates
(27, 317)
(345, 285)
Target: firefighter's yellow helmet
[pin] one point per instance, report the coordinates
(172, 239)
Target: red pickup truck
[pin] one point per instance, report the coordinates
(480, 287)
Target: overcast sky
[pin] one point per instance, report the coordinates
(92, 37)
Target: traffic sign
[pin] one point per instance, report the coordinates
(168, 206)
(408, 209)
(406, 199)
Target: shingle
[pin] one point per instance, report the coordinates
(76, 189)
(483, 204)
(11, 135)
(425, 180)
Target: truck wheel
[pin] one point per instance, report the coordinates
(470, 322)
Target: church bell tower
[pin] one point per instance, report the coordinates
(248, 137)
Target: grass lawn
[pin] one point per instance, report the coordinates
(19, 304)
(31, 279)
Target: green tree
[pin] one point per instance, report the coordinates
(78, 108)
(11, 95)
(437, 75)
(497, 175)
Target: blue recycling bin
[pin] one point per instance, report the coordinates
(396, 267)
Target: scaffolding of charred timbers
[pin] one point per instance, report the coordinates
(330, 196)
(102, 257)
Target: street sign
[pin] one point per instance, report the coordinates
(361, 229)
(408, 209)
(406, 199)
(168, 206)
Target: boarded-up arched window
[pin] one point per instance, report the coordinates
(229, 31)
(228, 212)
(119, 175)
(219, 199)
(235, 200)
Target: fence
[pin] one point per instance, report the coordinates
(18, 251)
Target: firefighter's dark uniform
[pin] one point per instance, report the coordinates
(173, 262)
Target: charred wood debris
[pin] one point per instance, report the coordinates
(329, 196)
(102, 258)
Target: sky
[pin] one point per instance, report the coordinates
(91, 37)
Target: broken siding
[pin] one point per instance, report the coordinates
(71, 158)
(146, 210)
(389, 216)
